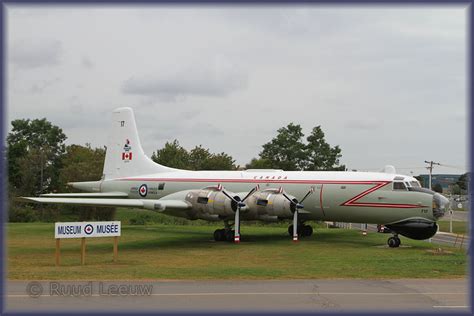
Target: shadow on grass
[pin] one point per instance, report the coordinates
(180, 238)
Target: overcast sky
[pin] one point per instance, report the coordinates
(387, 84)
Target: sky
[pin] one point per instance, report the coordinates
(388, 84)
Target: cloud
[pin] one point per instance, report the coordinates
(87, 63)
(190, 114)
(35, 53)
(41, 86)
(366, 125)
(218, 79)
(362, 73)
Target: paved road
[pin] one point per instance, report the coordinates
(293, 295)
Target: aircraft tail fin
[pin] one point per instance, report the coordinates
(125, 156)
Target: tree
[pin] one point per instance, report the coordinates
(220, 161)
(172, 155)
(288, 152)
(34, 152)
(320, 155)
(261, 163)
(199, 158)
(438, 188)
(455, 189)
(463, 181)
(39, 144)
(83, 163)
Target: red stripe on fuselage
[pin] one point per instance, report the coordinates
(321, 199)
(249, 181)
(351, 202)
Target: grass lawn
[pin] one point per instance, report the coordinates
(188, 252)
(458, 227)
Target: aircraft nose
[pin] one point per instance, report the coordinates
(440, 205)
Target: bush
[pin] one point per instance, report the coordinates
(140, 219)
(22, 213)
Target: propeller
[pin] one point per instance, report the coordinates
(238, 204)
(295, 206)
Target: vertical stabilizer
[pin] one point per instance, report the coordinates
(125, 156)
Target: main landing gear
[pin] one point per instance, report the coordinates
(303, 230)
(394, 241)
(224, 234)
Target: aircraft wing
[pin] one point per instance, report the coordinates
(88, 195)
(155, 205)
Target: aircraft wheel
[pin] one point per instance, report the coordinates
(393, 242)
(229, 235)
(307, 230)
(398, 241)
(219, 235)
(300, 231)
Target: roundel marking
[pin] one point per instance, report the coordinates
(89, 229)
(143, 190)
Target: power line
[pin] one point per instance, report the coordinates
(454, 167)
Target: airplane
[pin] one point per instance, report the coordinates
(131, 179)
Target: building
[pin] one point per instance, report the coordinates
(445, 180)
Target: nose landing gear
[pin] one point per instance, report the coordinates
(394, 241)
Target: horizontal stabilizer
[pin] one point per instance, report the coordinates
(155, 205)
(87, 195)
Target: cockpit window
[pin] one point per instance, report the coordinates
(399, 186)
(415, 184)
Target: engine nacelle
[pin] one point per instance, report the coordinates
(212, 201)
(271, 202)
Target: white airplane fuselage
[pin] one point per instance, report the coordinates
(131, 179)
(359, 197)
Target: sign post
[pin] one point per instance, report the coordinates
(115, 248)
(58, 251)
(83, 250)
(85, 230)
(451, 221)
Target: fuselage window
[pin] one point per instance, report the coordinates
(399, 186)
(415, 184)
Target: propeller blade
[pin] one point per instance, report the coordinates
(237, 226)
(250, 193)
(286, 196)
(295, 226)
(307, 194)
(231, 198)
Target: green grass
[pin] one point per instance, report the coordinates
(458, 227)
(188, 252)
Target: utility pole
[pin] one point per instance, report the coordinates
(430, 168)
